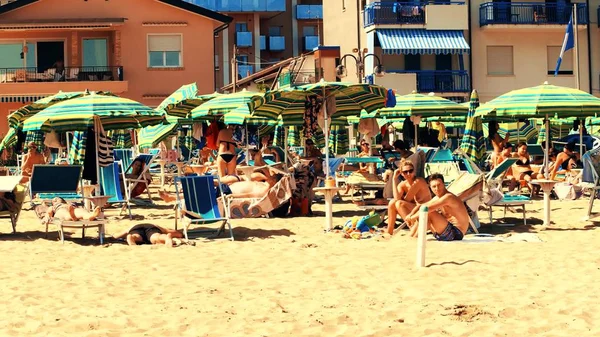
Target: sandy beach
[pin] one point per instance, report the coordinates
(285, 277)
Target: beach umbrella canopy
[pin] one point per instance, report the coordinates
(10, 139)
(151, 136)
(519, 131)
(222, 105)
(473, 143)
(415, 104)
(541, 101)
(289, 103)
(78, 114)
(184, 100)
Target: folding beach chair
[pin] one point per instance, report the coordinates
(591, 178)
(200, 203)
(469, 187)
(80, 224)
(494, 179)
(49, 181)
(125, 156)
(110, 183)
(11, 183)
(130, 183)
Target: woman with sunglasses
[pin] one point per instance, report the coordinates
(408, 194)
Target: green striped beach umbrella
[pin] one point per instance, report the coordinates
(151, 136)
(473, 143)
(542, 101)
(224, 104)
(415, 104)
(184, 100)
(77, 150)
(121, 139)
(339, 140)
(519, 131)
(558, 128)
(9, 140)
(78, 114)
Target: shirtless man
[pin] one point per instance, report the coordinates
(65, 211)
(149, 234)
(564, 160)
(448, 216)
(33, 157)
(407, 194)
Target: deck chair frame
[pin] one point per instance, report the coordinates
(118, 174)
(80, 224)
(59, 193)
(132, 182)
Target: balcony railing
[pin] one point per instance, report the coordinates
(241, 5)
(309, 12)
(439, 80)
(298, 78)
(243, 39)
(311, 42)
(399, 13)
(244, 71)
(529, 13)
(276, 43)
(263, 42)
(70, 74)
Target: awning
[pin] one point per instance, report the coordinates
(421, 41)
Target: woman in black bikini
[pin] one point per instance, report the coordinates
(226, 161)
(522, 168)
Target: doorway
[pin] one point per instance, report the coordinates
(48, 53)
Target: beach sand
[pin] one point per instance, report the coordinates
(285, 277)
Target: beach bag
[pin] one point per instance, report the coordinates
(566, 191)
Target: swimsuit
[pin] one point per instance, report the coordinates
(451, 233)
(524, 163)
(145, 231)
(227, 157)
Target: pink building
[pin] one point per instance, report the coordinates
(140, 49)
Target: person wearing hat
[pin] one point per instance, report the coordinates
(33, 157)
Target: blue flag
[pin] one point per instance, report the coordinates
(568, 43)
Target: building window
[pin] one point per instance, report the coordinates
(566, 66)
(500, 60)
(164, 51)
(309, 30)
(275, 30)
(241, 27)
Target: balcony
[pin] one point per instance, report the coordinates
(243, 39)
(309, 12)
(311, 42)
(298, 78)
(30, 80)
(440, 81)
(529, 13)
(276, 43)
(263, 42)
(244, 71)
(410, 13)
(236, 6)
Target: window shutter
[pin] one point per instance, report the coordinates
(500, 60)
(164, 43)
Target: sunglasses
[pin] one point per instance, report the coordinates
(408, 171)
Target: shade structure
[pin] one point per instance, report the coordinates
(558, 128)
(523, 131)
(184, 100)
(10, 139)
(21, 114)
(289, 103)
(420, 41)
(77, 150)
(473, 143)
(78, 114)
(151, 136)
(224, 104)
(541, 101)
(339, 141)
(415, 104)
(121, 139)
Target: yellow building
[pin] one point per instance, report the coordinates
(452, 47)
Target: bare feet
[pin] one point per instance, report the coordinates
(95, 213)
(166, 197)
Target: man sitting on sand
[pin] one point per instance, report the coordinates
(65, 211)
(448, 216)
(149, 234)
(407, 194)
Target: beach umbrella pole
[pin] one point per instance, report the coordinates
(581, 138)
(326, 135)
(247, 145)
(285, 146)
(547, 153)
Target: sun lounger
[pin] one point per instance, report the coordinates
(494, 179)
(80, 224)
(591, 178)
(110, 184)
(132, 182)
(197, 200)
(20, 192)
(49, 181)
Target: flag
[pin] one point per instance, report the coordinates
(568, 43)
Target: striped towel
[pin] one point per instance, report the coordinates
(105, 145)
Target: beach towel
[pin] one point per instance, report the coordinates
(257, 207)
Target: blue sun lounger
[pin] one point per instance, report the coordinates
(200, 205)
(49, 181)
(110, 183)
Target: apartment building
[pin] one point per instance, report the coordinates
(451, 47)
(140, 49)
(264, 32)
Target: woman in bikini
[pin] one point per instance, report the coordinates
(226, 161)
(522, 168)
(65, 211)
(497, 142)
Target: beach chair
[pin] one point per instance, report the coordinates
(130, 183)
(197, 200)
(591, 178)
(110, 184)
(49, 181)
(11, 183)
(469, 188)
(80, 224)
(125, 156)
(494, 179)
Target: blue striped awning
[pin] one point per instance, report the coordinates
(421, 41)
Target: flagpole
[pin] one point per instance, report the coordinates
(576, 70)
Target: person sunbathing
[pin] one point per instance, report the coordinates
(68, 212)
(448, 217)
(149, 234)
(407, 194)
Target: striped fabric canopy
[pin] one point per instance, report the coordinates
(424, 106)
(288, 103)
(151, 136)
(121, 139)
(78, 114)
(222, 105)
(421, 41)
(21, 114)
(473, 143)
(77, 150)
(519, 131)
(184, 100)
(542, 100)
(9, 140)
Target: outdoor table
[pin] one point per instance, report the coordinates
(199, 169)
(547, 186)
(329, 193)
(98, 200)
(179, 165)
(162, 163)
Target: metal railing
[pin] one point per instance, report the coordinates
(299, 78)
(439, 80)
(309, 12)
(311, 42)
(68, 74)
(242, 5)
(244, 71)
(276, 43)
(243, 39)
(530, 13)
(395, 13)
(263, 42)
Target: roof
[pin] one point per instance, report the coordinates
(60, 23)
(181, 4)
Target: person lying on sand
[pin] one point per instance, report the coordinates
(68, 212)
(150, 234)
(448, 216)
(407, 194)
